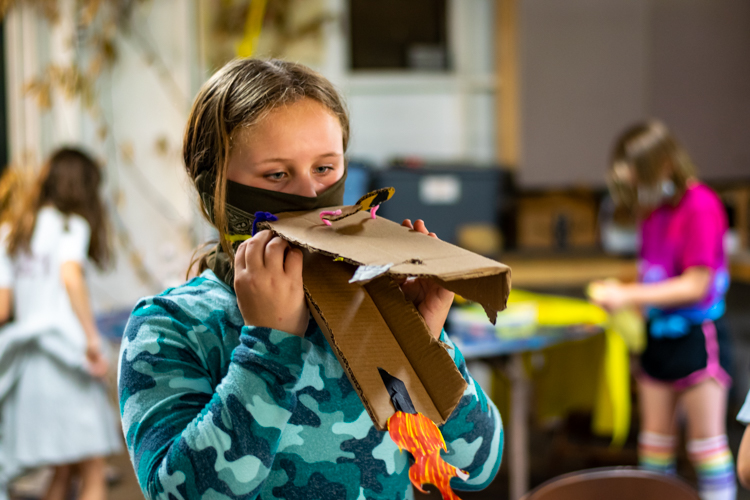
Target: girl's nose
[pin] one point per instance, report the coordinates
(304, 186)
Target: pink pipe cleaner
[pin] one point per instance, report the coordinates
(324, 213)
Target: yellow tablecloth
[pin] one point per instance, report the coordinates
(584, 375)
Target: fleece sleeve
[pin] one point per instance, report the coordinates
(193, 433)
(474, 431)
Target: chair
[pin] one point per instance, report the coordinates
(613, 483)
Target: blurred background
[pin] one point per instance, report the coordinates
(492, 118)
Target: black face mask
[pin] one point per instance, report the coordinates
(244, 201)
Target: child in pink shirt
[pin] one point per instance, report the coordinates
(683, 278)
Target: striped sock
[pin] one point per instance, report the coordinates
(656, 452)
(714, 466)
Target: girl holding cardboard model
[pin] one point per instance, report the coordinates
(227, 388)
(683, 280)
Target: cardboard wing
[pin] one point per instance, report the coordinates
(351, 275)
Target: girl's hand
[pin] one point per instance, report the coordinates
(610, 294)
(431, 300)
(98, 365)
(268, 283)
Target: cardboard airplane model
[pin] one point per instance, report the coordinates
(406, 379)
(351, 273)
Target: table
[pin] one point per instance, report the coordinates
(493, 350)
(552, 271)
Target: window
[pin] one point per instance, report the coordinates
(398, 35)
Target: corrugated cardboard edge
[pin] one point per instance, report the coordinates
(363, 342)
(488, 284)
(428, 356)
(472, 289)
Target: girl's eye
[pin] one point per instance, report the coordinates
(323, 169)
(276, 176)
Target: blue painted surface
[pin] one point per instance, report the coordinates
(357, 183)
(544, 337)
(112, 324)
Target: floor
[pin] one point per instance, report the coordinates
(569, 446)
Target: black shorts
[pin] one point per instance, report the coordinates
(705, 352)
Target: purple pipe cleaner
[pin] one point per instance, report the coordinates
(262, 217)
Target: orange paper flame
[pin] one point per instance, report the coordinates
(421, 437)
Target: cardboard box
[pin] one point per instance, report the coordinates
(557, 221)
(484, 239)
(351, 275)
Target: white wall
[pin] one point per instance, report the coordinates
(145, 186)
(156, 207)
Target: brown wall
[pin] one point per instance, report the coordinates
(700, 81)
(591, 67)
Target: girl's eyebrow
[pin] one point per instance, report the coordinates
(286, 160)
(273, 160)
(332, 153)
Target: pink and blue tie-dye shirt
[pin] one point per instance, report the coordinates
(691, 234)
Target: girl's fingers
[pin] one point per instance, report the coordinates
(239, 256)
(274, 254)
(293, 262)
(418, 226)
(255, 254)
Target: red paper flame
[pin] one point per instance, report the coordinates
(421, 437)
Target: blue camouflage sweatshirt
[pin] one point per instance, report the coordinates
(212, 409)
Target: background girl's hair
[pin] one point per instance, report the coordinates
(237, 96)
(648, 148)
(70, 182)
(14, 185)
